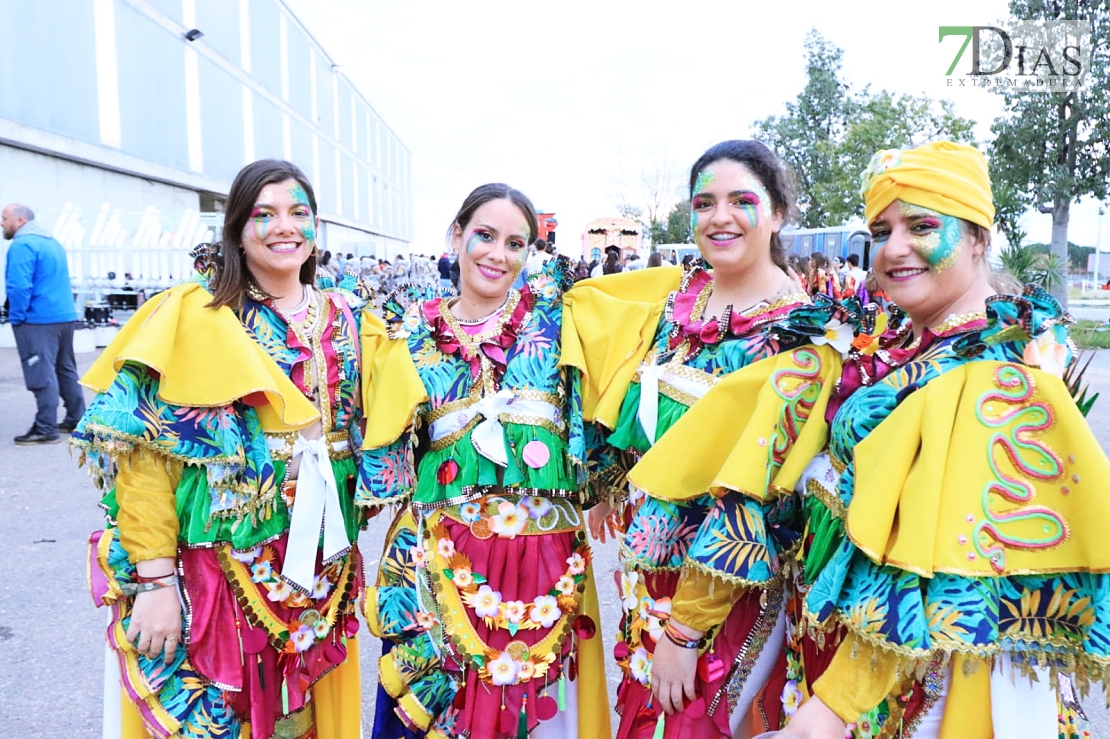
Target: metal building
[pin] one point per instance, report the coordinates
(123, 122)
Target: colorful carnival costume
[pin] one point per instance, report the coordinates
(484, 597)
(955, 534)
(196, 423)
(706, 554)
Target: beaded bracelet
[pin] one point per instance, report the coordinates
(681, 640)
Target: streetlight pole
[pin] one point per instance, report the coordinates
(1098, 248)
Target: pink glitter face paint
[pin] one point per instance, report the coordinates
(749, 195)
(936, 237)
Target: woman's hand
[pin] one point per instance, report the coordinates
(603, 517)
(673, 669)
(815, 720)
(156, 614)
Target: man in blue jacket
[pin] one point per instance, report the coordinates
(40, 308)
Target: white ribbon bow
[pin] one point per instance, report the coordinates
(648, 410)
(488, 436)
(315, 507)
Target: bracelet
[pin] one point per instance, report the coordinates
(134, 588)
(681, 640)
(141, 578)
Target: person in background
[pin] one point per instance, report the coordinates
(444, 267)
(634, 263)
(538, 259)
(823, 279)
(655, 260)
(855, 280)
(40, 308)
(611, 265)
(582, 271)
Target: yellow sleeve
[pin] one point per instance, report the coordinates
(768, 422)
(853, 685)
(609, 325)
(147, 517)
(701, 603)
(177, 335)
(392, 390)
(921, 474)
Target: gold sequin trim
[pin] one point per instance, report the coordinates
(285, 452)
(827, 497)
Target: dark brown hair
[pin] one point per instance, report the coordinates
(495, 191)
(231, 277)
(767, 168)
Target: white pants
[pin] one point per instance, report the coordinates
(1019, 709)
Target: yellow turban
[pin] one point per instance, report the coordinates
(944, 176)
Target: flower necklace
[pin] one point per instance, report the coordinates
(517, 662)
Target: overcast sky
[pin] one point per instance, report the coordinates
(572, 101)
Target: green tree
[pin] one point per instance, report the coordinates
(805, 136)
(829, 133)
(1050, 147)
(675, 229)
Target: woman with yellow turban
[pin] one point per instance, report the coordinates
(954, 572)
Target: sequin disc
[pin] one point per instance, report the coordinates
(536, 454)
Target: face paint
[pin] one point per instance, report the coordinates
(703, 179)
(476, 237)
(941, 244)
(299, 196)
(260, 219)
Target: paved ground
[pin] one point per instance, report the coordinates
(51, 637)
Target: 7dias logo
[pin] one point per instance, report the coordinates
(1046, 56)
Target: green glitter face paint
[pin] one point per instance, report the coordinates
(936, 237)
(746, 193)
(302, 210)
(705, 177)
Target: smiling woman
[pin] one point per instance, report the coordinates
(485, 597)
(224, 428)
(703, 581)
(269, 235)
(955, 580)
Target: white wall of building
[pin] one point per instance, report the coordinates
(106, 101)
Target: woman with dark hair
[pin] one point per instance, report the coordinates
(327, 271)
(702, 586)
(655, 259)
(484, 596)
(224, 430)
(824, 280)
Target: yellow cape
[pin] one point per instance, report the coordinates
(609, 325)
(204, 359)
(391, 388)
(754, 432)
(988, 470)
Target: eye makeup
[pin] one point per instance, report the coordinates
(936, 237)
